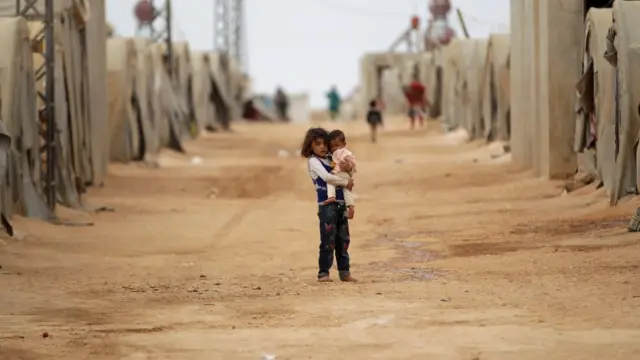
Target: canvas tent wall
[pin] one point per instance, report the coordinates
(145, 102)
(430, 69)
(167, 112)
(452, 84)
(95, 42)
(22, 188)
(495, 88)
(625, 55)
(473, 54)
(8, 7)
(220, 81)
(595, 121)
(184, 78)
(202, 89)
(80, 97)
(122, 67)
(546, 49)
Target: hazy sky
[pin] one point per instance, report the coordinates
(308, 45)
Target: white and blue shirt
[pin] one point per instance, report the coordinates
(320, 173)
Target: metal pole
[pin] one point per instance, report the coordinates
(463, 24)
(169, 40)
(50, 105)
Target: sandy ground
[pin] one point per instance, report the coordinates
(460, 256)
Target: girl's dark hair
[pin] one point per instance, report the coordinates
(309, 138)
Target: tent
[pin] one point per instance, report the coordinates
(495, 88)
(80, 98)
(452, 83)
(473, 54)
(22, 188)
(430, 69)
(595, 123)
(145, 101)
(220, 90)
(122, 66)
(184, 78)
(166, 109)
(625, 55)
(202, 89)
(8, 7)
(95, 87)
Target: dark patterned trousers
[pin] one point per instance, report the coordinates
(334, 238)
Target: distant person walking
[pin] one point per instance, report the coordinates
(374, 119)
(281, 101)
(334, 102)
(417, 101)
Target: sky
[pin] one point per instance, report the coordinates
(310, 45)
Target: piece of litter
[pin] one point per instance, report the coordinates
(268, 357)
(283, 153)
(196, 160)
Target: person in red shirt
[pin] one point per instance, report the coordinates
(417, 99)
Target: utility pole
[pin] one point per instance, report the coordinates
(43, 43)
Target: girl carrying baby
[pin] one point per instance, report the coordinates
(334, 225)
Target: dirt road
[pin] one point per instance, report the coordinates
(459, 255)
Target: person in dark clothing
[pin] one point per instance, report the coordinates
(374, 119)
(281, 101)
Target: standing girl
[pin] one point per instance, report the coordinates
(334, 225)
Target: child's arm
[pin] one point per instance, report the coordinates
(317, 168)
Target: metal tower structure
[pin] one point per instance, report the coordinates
(43, 43)
(221, 26)
(160, 28)
(409, 37)
(229, 30)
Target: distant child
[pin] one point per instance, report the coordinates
(345, 168)
(334, 225)
(374, 119)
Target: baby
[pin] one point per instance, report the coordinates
(345, 167)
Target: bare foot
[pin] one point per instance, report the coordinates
(351, 211)
(324, 279)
